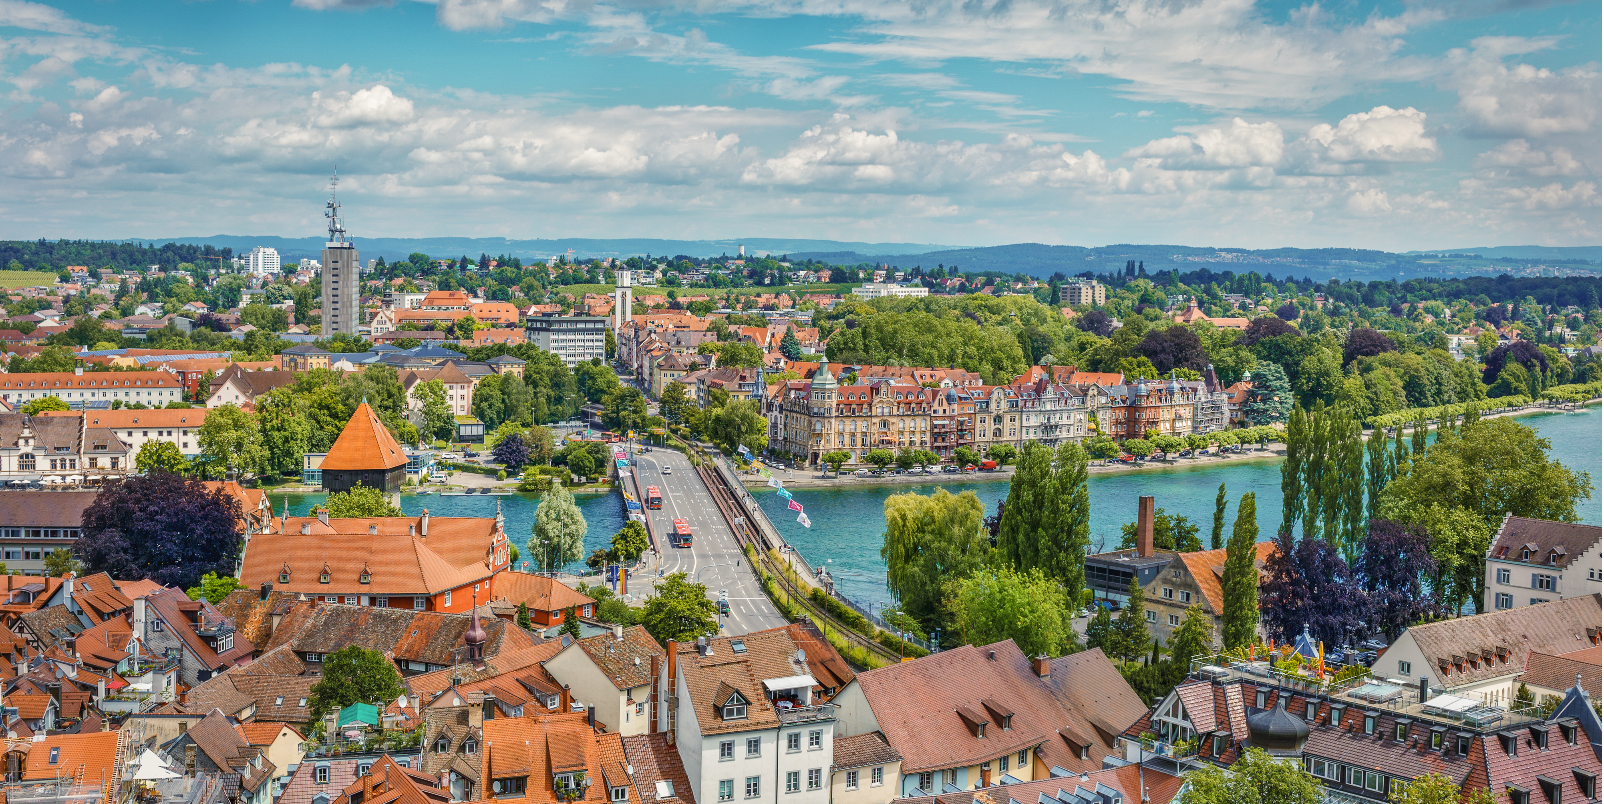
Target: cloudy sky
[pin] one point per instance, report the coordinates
(1397, 125)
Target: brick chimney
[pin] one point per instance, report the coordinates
(651, 713)
(1042, 666)
(1144, 526)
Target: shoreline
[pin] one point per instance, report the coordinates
(1273, 450)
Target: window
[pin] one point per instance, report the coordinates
(754, 747)
(754, 786)
(877, 777)
(320, 774)
(514, 786)
(350, 600)
(620, 794)
(1175, 619)
(418, 603)
(1464, 745)
(470, 746)
(1260, 698)
(726, 750)
(1400, 731)
(363, 768)
(55, 754)
(156, 625)
(1503, 576)
(320, 798)
(665, 788)
(726, 790)
(1024, 757)
(1504, 601)
(1169, 594)
(448, 598)
(815, 739)
(735, 707)
(1403, 667)
(1436, 740)
(926, 780)
(793, 741)
(1310, 709)
(1373, 781)
(1152, 616)
(793, 781)
(950, 776)
(441, 746)
(852, 780)
(1002, 764)
(815, 778)
(1543, 582)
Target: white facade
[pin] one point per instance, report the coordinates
(263, 261)
(623, 301)
(575, 339)
(882, 290)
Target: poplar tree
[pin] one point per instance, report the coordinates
(1130, 629)
(1377, 471)
(1291, 473)
(1046, 522)
(1219, 519)
(1417, 440)
(1313, 472)
(1240, 581)
(1353, 490)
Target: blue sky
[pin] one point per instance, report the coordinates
(1401, 125)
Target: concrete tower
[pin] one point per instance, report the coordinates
(623, 301)
(342, 311)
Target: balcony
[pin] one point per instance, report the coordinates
(823, 713)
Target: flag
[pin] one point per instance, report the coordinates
(784, 493)
(795, 506)
(775, 483)
(745, 453)
(803, 518)
(764, 471)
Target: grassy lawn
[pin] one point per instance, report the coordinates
(25, 279)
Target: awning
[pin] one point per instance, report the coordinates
(789, 683)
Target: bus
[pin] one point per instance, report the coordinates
(654, 497)
(682, 533)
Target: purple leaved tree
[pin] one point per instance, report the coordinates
(511, 452)
(161, 526)
(1394, 562)
(1307, 582)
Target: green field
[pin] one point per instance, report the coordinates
(25, 279)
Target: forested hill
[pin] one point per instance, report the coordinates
(33, 255)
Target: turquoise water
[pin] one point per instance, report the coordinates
(848, 524)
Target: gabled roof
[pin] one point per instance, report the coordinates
(175, 608)
(1564, 672)
(389, 783)
(539, 592)
(654, 760)
(1207, 566)
(769, 654)
(84, 757)
(862, 750)
(626, 662)
(421, 636)
(1567, 541)
(364, 444)
(1506, 637)
(396, 555)
(97, 595)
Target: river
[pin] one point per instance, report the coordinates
(848, 524)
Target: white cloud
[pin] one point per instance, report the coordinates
(1527, 101)
(375, 105)
(1382, 134)
(1519, 155)
(40, 17)
(1368, 203)
(1241, 144)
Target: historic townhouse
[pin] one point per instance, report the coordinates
(952, 420)
(60, 450)
(1164, 406)
(1533, 561)
(996, 416)
(828, 416)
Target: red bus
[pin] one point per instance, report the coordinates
(682, 533)
(654, 497)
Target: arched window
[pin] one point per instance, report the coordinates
(26, 463)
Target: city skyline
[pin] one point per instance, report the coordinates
(1396, 126)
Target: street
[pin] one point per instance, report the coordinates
(713, 558)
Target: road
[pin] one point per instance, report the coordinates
(713, 557)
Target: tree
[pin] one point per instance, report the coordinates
(1170, 532)
(1100, 631)
(834, 459)
(1307, 583)
(996, 604)
(1194, 638)
(1096, 322)
(1435, 788)
(1173, 348)
(1240, 580)
(1046, 522)
(582, 463)
(1167, 444)
(929, 541)
(231, 437)
(790, 346)
(1219, 519)
(570, 627)
(1266, 327)
(1003, 454)
(1130, 636)
(1459, 541)
(160, 455)
(360, 502)
(624, 409)
(59, 562)
(673, 403)
(1140, 447)
(679, 610)
(880, 457)
(738, 422)
(44, 403)
(1365, 342)
(964, 455)
(630, 542)
(733, 354)
(1256, 778)
(353, 675)
(213, 588)
(522, 618)
(434, 415)
(1270, 397)
(511, 452)
(1393, 566)
(163, 527)
(558, 535)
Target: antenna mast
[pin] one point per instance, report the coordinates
(336, 229)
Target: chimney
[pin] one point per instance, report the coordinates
(373, 530)
(1424, 688)
(267, 589)
(991, 655)
(651, 697)
(1144, 526)
(189, 759)
(306, 528)
(618, 633)
(985, 775)
(323, 515)
(565, 702)
(1043, 668)
(331, 726)
(701, 646)
(423, 524)
(476, 710)
(590, 717)
(412, 529)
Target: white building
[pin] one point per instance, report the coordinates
(1532, 561)
(574, 338)
(263, 261)
(882, 290)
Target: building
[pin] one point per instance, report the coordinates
(623, 301)
(59, 450)
(458, 388)
(342, 306)
(177, 426)
(1191, 579)
(749, 717)
(61, 768)
(79, 389)
(1365, 739)
(820, 415)
(35, 523)
(422, 563)
(417, 641)
(1109, 574)
(1131, 783)
(884, 290)
(1193, 315)
(204, 639)
(1166, 406)
(982, 715)
(574, 338)
(1532, 561)
(240, 387)
(214, 745)
(546, 598)
(611, 673)
(365, 454)
(305, 357)
(1077, 292)
(262, 261)
(1480, 658)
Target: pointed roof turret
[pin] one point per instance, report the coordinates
(364, 444)
(823, 378)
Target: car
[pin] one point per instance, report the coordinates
(970, 468)
(951, 470)
(933, 470)
(1373, 644)
(1368, 658)
(1185, 453)
(1336, 657)
(1111, 605)
(861, 473)
(469, 454)
(668, 470)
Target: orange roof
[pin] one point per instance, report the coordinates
(364, 444)
(82, 756)
(125, 418)
(1207, 566)
(538, 591)
(264, 733)
(395, 552)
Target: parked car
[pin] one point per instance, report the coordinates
(1336, 657)
(951, 470)
(861, 473)
(1373, 644)
(1185, 453)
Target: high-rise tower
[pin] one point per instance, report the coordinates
(623, 301)
(342, 311)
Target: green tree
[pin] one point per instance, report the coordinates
(435, 417)
(790, 346)
(1170, 532)
(463, 328)
(738, 422)
(59, 562)
(673, 403)
(558, 535)
(522, 618)
(353, 675)
(1256, 778)
(1219, 520)
(360, 502)
(1101, 633)
(213, 588)
(1240, 581)
(1046, 520)
(285, 432)
(1130, 635)
(929, 541)
(1194, 638)
(1435, 788)
(1003, 454)
(44, 403)
(624, 409)
(679, 610)
(965, 456)
(1270, 398)
(163, 455)
(630, 542)
(570, 627)
(880, 457)
(998, 603)
(834, 459)
(1140, 447)
(230, 436)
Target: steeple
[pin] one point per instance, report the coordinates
(475, 638)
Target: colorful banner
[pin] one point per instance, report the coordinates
(745, 453)
(774, 483)
(795, 506)
(803, 518)
(784, 493)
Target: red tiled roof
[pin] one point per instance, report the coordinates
(84, 757)
(1206, 567)
(364, 444)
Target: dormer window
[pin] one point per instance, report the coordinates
(323, 577)
(514, 786)
(470, 746)
(442, 745)
(284, 574)
(365, 577)
(1526, 555)
(734, 707)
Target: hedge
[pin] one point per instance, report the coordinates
(1411, 415)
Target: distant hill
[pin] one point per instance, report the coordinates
(392, 248)
(1593, 254)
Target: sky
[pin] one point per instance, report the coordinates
(1416, 124)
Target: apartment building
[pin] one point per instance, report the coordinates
(1534, 561)
(575, 339)
(78, 388)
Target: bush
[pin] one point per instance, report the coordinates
(841, 612)
(501, 475)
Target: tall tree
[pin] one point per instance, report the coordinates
(1270, 398)
(558, 535)
(162, 527)
(1307, 583)
(929, 541)
(1393, 568)
(998, 603)
(1193, 639)
(1046, 521)
(1240, 581)
(1377, 472)
(1130, 629)
(284, 433)
(231, 437)
(1219, 519)
(679, 610)
(352, 675)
